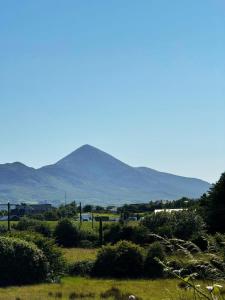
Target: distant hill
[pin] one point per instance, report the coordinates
(93, 176)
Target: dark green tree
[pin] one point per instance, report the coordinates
(213, 206)
(66, 233)
(87, 208)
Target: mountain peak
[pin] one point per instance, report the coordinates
(90, 174)
(87, 154)
(87, 147)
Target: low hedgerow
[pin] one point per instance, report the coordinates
(21, 262)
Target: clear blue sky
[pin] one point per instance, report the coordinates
(143, 80)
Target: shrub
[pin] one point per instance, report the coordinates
(66, 233)
(81, 268)
(89, 235)
(52, 253)
(124, 260)
(155, 221)
(43, 229)
(26, 224)
(3, 229)
(112, 233)
(187, 224)
(21, 262)
(201, 242)
(183, 224)
(152, 267)
(86, 244)
(135, 234)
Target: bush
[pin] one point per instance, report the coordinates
(43, 229)
(201, 242)
(123, 260)
(21, 262)
(183, 224)
(86, 244)
(52, 253)
(67, 234)
(26, 224)
(152, 267)
(89, 235)
(81, 268)
(135, 234)
(112, 233)
(3, 229)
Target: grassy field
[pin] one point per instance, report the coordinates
(84, 225)
(83, 288)
(79, 254)
(52, 224)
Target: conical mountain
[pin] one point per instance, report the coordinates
(93, 176)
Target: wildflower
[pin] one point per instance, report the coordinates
(209, 288)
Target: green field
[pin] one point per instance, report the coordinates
(79, 287)
(52, 224)
(79, 254)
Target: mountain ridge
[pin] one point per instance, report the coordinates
(91, 175)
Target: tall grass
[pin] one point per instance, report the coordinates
(79, 287)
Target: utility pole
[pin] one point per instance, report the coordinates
(8, 206)
(80, 214)
(92, 220)
(65, 198)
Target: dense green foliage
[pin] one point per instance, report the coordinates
(116, 232)
(152, 205)
(21, 262)
(66, 233)
(182, 224)
(81, 268)
(152, 267)
(212, 206)
(52, 253)
(29, 224)
(123, 259)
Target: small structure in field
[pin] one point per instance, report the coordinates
(169, 210)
